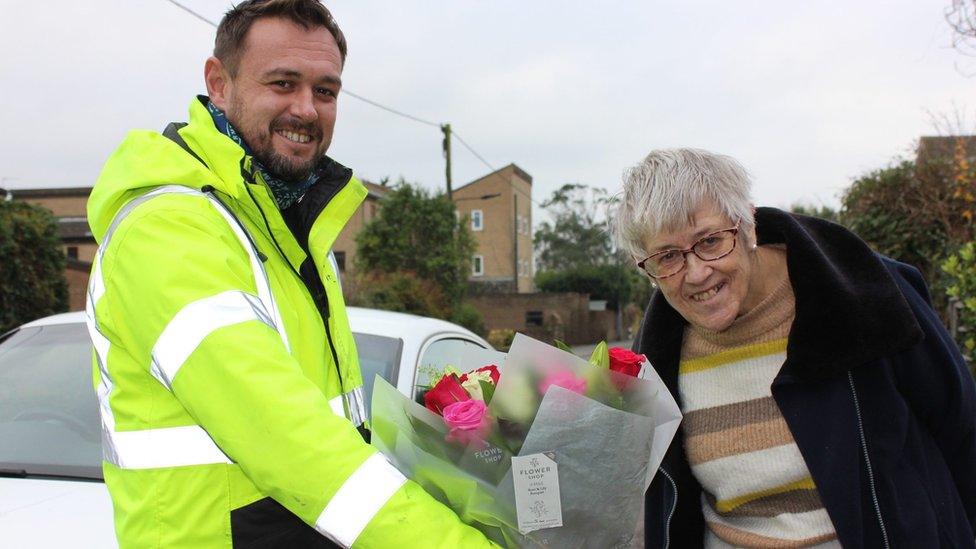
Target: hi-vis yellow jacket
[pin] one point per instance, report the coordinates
(226, 373)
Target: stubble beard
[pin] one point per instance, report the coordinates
(280, 166)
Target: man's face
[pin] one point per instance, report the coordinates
(283, 98)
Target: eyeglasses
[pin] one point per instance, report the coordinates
(710, 247)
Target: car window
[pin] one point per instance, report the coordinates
(49, 421)
(440, 354)
(378, 355)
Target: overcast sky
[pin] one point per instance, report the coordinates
(807, 95)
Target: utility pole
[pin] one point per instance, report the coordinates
(446, 129)
(515, 235)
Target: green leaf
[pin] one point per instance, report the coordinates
(487, 390)
(601, 356)
(563, 346)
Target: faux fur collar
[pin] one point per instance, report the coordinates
(849, 309)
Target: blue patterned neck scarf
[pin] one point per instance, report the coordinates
(285, 193)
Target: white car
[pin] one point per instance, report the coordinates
(51, 490)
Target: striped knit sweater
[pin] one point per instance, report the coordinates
(757, 490)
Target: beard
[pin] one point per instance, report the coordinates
(285, 167)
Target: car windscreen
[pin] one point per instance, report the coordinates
(378, 355)
(48, 412)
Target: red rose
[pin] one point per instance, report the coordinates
(447, 391)
(625, 362)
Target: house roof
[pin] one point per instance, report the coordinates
(51, 192)
(74, 228)
(518, 171)
(375, 191)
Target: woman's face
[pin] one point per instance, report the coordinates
(708, 294)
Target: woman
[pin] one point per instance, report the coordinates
(824, 403)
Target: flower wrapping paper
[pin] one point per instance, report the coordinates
(609, 432)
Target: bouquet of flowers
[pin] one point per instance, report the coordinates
(539, 447)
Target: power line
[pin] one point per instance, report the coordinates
(474, 152)
(346, 91)
(374, 103)
(191, 12)
(390, 109)
(492, 168)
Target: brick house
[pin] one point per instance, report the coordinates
(345, 245)
(499, 211)
(69, 206)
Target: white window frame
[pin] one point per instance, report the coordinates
(478, 225)
(476, 262)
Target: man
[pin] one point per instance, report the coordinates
(229, 387)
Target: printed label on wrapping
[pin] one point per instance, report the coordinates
(537, 502)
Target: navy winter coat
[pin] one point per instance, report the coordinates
(873, 389)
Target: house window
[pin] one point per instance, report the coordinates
(72, 252)
(478, 265)
(340, 259)
(477, 220)
(533, 318)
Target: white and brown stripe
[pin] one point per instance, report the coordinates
(757, 489)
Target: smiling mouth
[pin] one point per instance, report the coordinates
(295, 137)
(707, 294)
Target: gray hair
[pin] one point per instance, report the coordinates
(664, 190)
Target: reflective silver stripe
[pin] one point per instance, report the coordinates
(96, 288)
(195, 322)
(359, 499)
(261, 281)
(260, 276)
(166, 447)
(337, 406)
(101, 344)
(172, 446)
(335, 268)
(355, 405)
(350, 405)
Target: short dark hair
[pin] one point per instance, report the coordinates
(232, 31)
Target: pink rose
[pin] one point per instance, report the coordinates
(565, 380)
(468, 422)
(467, 415)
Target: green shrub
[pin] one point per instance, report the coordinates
(32, 283)
(960, 269)
(614, 283)
(400, 291)
(470, 317)
(501, 339)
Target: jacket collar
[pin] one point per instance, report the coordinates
(849, 309)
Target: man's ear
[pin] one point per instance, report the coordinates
(218, 82)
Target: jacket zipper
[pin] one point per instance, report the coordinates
(867, 461)
(325, 321)
(674, 506)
